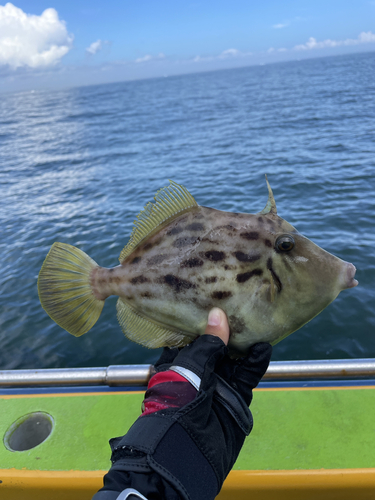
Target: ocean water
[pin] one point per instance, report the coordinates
(78, 165)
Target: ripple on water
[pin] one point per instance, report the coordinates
(78, 165)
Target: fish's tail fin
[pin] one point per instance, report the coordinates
(65, 290)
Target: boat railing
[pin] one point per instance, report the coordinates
(138, 375)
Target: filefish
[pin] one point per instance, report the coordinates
(182, 259)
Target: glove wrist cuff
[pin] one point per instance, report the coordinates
(185, 467)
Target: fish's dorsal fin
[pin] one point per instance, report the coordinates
(271, 204)
(146, 332)
(170, 201)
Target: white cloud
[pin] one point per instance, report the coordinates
(95, 47)
(198, 59)
(279, 26)
(30, 40)
(312, 43)
(144, 59)
(233, 53)
(147, 58)
(271, 50)
(229, 53)
(368, 37)
(226, 54)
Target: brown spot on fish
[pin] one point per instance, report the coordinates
(214, 255)
(241, 278)
(211, 279)
(186, 241)
(228, 268)
(237, 325)
(136, 260)
(195, 226)
(199, 216)
(137, 280)
(252, 235)
(147, 246)
(178, 284)
(147, 295)
(244, 257)
(208, 240)
(156, 259)
(227, 226)
(175, 230)
(221, 295)
(260, 219)
(114, 279)
(193, 262)
(269, 263)
(268, 243)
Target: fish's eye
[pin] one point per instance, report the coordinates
(284, 243)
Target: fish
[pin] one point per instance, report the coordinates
(183, 259)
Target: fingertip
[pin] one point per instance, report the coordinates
(261, 349)
(217, 325)
(260, 356)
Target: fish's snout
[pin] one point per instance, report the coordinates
(348, 274)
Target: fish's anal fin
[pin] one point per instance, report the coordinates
(65, 290)
(170, 201)
(145, 332)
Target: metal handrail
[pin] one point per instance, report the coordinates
(138, 375)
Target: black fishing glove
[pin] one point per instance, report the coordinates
(189, 437)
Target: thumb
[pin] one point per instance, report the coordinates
(217, 325)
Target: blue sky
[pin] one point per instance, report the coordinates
(81, 42)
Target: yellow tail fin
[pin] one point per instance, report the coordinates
(65, 291)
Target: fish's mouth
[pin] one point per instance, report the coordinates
(351, 282)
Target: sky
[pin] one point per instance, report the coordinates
(63, 43)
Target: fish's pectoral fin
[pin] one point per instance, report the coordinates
(145, 332)
(169, 201)
(271, 204)
(65, 290)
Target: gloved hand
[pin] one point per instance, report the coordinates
(191, 433)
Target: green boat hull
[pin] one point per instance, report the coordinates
(306, 441)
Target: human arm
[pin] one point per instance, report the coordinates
(190, 433)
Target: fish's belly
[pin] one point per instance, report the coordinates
(184, 316)
(188, 314)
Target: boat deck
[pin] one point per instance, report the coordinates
(310, 440)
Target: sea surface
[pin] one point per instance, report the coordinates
(78, 165)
